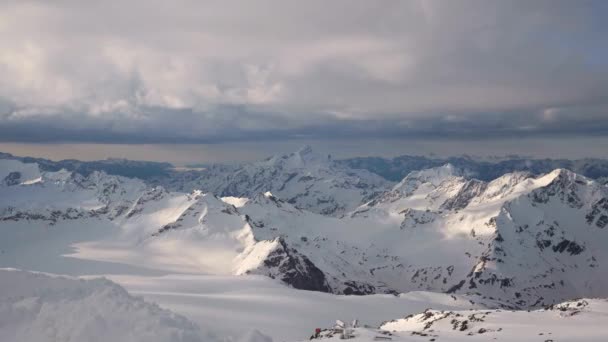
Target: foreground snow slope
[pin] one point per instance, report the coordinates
(231, 306)
(578, 320)
(581, 320)
(36, 307)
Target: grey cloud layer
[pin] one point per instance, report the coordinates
(211, 71)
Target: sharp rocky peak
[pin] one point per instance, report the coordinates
(565, 175)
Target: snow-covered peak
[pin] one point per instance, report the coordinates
(421, 190)
(509, 186)
(434, 176)
(305, 157)
(305, 179)
(268, 203)
(565, 176)
(513, 185)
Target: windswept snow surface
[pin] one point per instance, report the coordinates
(233, 306)
(36, 307)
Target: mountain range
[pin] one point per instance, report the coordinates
(391, 169)
(518, 241)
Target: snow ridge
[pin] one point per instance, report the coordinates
(38, 307)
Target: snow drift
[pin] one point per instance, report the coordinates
(37, 307)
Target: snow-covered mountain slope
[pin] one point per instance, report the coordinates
(518, 241)
(30, 194)
(304, 178)
(38, 307)
(579, 320)
(422, 190)
(524, 240)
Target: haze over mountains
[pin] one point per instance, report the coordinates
(392, 169)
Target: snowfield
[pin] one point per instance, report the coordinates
(37, 307)
(237, 267)
(233, 306)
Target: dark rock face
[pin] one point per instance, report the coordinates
(52, 216)
(12, 178)
(359, 289)
(565, 187)
(568, 246)
(295, 269)
(602, 221)
(456, 287)
(153, 194)
(470, 190)
(412, 218)
(598, 213)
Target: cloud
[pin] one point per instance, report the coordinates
(145, 71)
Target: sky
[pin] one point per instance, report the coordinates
(81, 75)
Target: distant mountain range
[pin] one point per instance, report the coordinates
(391, 169)
(395, 169)
(119, 167)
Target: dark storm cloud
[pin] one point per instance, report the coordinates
(192, 71)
